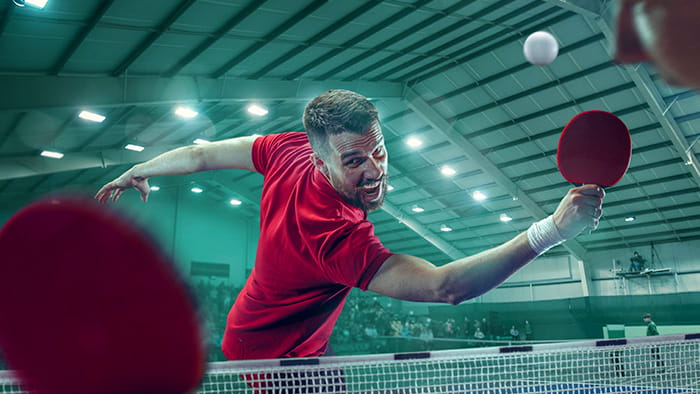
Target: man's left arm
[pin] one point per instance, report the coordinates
(415, 279)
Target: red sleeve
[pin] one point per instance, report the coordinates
(349, 253)
(270, 146)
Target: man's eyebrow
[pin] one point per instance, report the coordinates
(348, 154)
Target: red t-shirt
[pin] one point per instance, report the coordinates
(313, 248)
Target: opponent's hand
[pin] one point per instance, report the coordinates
(580, 209)
(127, 180)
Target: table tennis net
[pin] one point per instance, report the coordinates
(664, 364)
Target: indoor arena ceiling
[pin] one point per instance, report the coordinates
(449, 73)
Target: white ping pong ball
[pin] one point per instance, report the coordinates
(540, 48)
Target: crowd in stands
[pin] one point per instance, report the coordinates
(215, 298)
(366, 318)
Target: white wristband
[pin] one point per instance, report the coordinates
(543, 235)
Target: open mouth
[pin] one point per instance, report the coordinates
(372, 191)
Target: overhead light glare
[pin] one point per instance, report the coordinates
(257, 110)
(87, 115)
(33, 3)
(389, 188)
(630, 219)
(155, 188)
(417, 209)
(235, 202)
(135, 148)
(505, 218)
(448, 171)
(196, 190)
(37, 3)
(200, 141)
(185, 112)
(51, 154)
(445, 228)
(414, 142)
(479, 196)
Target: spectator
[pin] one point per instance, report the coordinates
(637, 262)
(652, 330)
(478, 334)
(514, 333)
(651, 326)
(528, 331)
(486, 328)
(467, 325)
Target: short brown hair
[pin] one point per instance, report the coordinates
(334, 112)
(646, 316)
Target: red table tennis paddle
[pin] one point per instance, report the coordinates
(89, 305)
(595, 148)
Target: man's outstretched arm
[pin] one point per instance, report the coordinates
(231, 153)
(414, 279)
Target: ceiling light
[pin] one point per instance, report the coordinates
(200, 141)
(37, 3)
(257, 110)
(389, 188)
(51, 154)
(417, 209)
(135, 148)
(505, 218)
(479, 196)
(34, 3)
(185, 112)
(235, 202)
(630, 219)
(413, 142)
(196, 189)
(155, 188)
(448, 171)
(87, 115)
(445, 228)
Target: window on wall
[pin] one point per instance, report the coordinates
(199, 268)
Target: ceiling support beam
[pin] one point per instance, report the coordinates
(422, 231)
(589, 8)
(22, 92)
(435, 120)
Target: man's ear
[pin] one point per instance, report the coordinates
(319, 163)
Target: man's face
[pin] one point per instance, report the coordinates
(664, 32)
(356, 166)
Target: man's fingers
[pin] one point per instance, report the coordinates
(592, 190)
(117, 192)
(143, 188)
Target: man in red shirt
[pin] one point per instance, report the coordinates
(315, 241)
